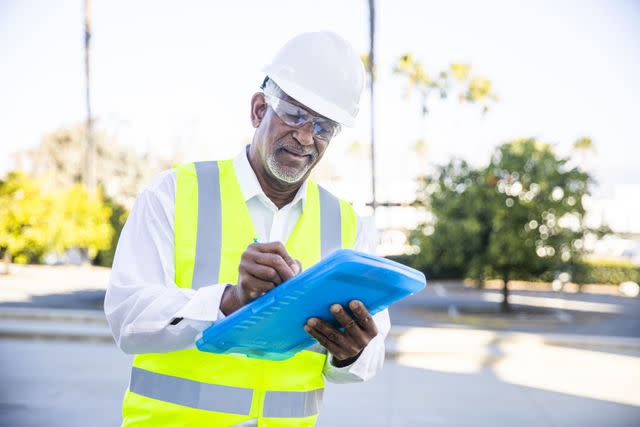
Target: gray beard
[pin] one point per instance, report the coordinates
(283, 174)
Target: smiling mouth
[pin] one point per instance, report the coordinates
(293, 153)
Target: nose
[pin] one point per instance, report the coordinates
(304, 134)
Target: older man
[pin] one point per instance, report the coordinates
(190, 255)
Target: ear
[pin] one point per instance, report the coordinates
(258, 109)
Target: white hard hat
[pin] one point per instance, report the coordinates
(323, 72)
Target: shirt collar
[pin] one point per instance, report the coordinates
(250, 186)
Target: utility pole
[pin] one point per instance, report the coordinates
(90, 153)
(372, 27)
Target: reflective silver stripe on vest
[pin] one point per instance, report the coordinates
(330, 222)
(209, 239)
(292, 404)
(193, 394)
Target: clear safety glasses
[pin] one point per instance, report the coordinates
(296, 116)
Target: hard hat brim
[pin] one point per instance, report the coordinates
(311, 100)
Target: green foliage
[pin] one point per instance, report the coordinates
(606, 272)
(537, 222)
(117, 219)
(456, 198)
(583, 272)
(79, 219)
(520, 216)
(35, 219)
(24, 224)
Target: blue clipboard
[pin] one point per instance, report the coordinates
(271, 326)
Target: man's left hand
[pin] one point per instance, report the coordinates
(344, 346)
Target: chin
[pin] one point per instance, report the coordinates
(288, 175)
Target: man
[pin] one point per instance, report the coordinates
(189, 255)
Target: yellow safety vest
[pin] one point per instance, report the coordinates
(192, 388)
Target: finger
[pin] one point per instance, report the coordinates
(352, 328)
(257, 287)
(276, 262)
(263, 272)
(350, 325)
(341, 347)
(363, 317)
(277, 248)
(323, 340)
(342, 317)
(334, 335)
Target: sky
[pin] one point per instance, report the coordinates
(176, 77)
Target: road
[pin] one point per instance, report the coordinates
(58, 383)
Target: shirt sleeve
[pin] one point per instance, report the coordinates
(142, 299)
(372, 357)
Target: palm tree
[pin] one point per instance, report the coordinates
(584, 146)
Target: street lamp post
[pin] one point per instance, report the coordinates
(372, 16)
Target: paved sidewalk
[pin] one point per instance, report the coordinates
(78, 384)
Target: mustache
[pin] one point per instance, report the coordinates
(298, 149)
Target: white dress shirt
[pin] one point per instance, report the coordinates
(143, 299)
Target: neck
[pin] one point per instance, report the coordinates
(280, 193)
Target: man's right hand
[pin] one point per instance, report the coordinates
(263, 266)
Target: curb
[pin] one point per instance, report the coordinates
(54, 324)
(54, 314)
(53, 332)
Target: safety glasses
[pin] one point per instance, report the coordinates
(296, 116)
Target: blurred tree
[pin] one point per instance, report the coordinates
(121, 172)
(517, 217)
(80, 219)
(457, 78)
(366, 61)
(538, 220)
(36, 218)
(24, 219)
(421, 150)
(454, 194)
(584, 146)
(117, 220)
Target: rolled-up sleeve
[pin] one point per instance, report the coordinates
(142, 299)
(371, 360)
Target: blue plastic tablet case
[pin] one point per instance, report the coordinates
(271, 326)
